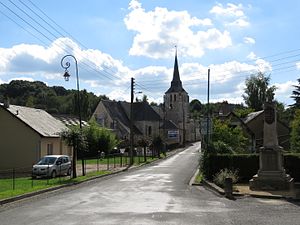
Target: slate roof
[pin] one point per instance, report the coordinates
(176, 84)
(120, 111)
(169, 125)
(37, 119)
(252, 115)
(142, 111)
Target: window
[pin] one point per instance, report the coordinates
(170, 98)
(50, 149)
(174, 98)
(149, 130)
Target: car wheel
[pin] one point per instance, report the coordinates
(53, 174)
(69, 172)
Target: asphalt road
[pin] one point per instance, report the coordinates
(155, 194)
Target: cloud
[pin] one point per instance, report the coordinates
(231, 10)
(251, 56)
(231, 14)
(298, 65)
(285, 88)
(159, 30)
(40, 61)
(249, 40)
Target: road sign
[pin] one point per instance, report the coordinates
(203, 125)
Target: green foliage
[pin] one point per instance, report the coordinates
(296, 95)
(220, 147)
(225, 138)
(98, 139)
(246, 164)
(219, 178)
(54, 99)
(243, 112)
(75, 138)
(257, 91)
(295, 133)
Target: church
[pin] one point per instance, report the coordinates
(171, 120)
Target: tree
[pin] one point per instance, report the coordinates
(157, 144)
(98, 139)
(295, 133)
(296, 95)
(75, 139)
(226, 139)
(257, 91)
(143, 142)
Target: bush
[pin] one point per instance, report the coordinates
(246, 164)
(219, 178)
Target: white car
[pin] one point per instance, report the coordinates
(52, 166)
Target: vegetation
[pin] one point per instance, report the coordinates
(98, 139)
(219, 178)
(26, 184)
(295, 132)
(56, 99)
(227, 139)
(296, 95)
(257, 91)
(75, 138)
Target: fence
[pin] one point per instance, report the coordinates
(23, 179)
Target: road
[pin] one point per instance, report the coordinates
(154, 194)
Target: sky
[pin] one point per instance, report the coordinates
(114, 40)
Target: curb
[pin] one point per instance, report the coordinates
(130, 168)
(221, 191)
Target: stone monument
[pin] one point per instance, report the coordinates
(271, 174)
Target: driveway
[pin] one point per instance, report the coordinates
(155, 194)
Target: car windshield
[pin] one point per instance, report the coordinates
(47, 161)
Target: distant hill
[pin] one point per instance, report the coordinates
(55, 100)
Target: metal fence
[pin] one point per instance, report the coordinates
(22, 178)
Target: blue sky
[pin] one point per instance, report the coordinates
(116, 40)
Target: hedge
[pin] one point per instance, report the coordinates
(246, 164)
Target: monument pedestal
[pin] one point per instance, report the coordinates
(271, 175)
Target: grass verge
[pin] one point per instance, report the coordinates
(10, 188)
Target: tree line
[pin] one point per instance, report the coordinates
(55, 99)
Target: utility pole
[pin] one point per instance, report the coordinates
(131, 122)
(208, 110)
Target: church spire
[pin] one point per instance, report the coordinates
(176, 84)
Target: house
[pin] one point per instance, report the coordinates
(147, 123)
(235, 121)
(255, 122)
(171, 120)
(27, 134)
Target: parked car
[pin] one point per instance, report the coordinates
(52, 166)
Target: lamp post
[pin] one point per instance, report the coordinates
(66, 66)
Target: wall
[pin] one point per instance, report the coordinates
(20, 145)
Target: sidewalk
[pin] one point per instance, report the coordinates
(244, 190)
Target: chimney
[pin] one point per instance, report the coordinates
(6, 103)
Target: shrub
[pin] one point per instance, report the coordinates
(219, 178)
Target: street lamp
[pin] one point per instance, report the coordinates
(67, 77)
(66, 66)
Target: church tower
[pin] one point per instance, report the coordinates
(176, 101)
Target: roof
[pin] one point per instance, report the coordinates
(169, 125)
(176, 84)
(69, 120)
(142, 111)
(252, 115)
(118, 111)
(37, 119)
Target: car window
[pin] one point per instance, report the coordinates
(47, 161)
(65, 160)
